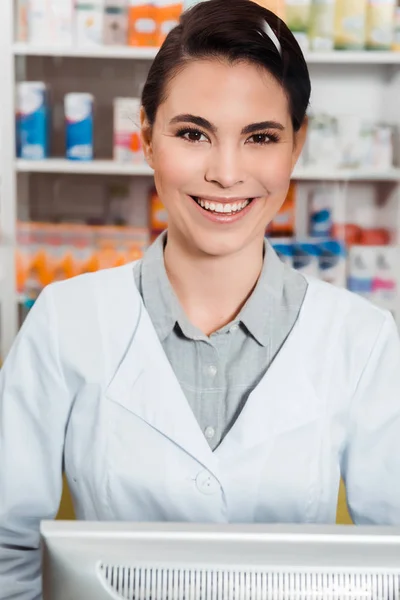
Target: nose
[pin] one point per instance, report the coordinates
(225, 167)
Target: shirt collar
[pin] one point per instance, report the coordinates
(257, 313)
(158, 295)
(165, 311)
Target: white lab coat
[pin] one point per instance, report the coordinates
(87, 385)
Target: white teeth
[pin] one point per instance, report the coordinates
(220, 207)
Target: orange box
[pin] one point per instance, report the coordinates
(141, 23)
(284, 223)
(167, 13)
(277, 6)
(158, 213)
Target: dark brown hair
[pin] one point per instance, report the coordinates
(233, 30)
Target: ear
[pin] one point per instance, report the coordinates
(146, 137)
(300, 137)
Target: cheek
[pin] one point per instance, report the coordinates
(273, 170)
(175, 166)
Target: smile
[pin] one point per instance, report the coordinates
(227, 208)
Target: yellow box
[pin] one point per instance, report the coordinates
(380, 18)
(350, 24)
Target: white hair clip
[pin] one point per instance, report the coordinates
(272, 36)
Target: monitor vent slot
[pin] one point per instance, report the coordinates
(149, 583)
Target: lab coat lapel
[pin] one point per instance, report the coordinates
(146, 385)
(283, 400)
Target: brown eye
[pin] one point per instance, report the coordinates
(262, 139)
(192, 135)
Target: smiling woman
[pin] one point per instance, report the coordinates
(223, 125)
(208, 382)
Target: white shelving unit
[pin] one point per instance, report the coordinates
(335, 57)
(110, 167)
(95, 167)
(365, 83)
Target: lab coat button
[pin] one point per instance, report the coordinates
(206, 483)
(209, 433)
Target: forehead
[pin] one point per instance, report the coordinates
(217, 90)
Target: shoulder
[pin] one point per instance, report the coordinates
(342, 329)
(92, 318)
(341, 307)
(96, 304)
(94, 290)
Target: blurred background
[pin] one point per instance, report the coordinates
(77, 196)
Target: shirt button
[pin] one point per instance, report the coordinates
(234, 328)
(212, 370)
(206, 483)
(209, 433)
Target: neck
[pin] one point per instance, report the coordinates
(212, 290)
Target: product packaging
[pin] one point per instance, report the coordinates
(396, 29)
(349, 233)
(89, 22)
(322, 25)
(385, 283)
(142, 25)
(21, 21)
(376, 146)
(158, 214)
(375, 236)
(361, 270)
(127, 143)
(321, 212)
(190, 3)
(24, 255)
(350, 24)
(383, 150)
(32, 120)
(284, 223)
(79, 126)
(284, 249)
(298, 13)
(115, 23)
(350, 142)
(39, 26)
(332, 262)
(276, 6)
(49, 252)
(322, 145)
(79, 241)
(379, 30)
(61, 22)
(306, 258)
(167, 13)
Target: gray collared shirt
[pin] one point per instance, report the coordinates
(218, 373)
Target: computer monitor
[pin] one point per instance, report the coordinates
(103, 561)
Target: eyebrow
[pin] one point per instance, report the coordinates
(205, 124)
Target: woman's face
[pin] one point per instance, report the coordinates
(223, 149)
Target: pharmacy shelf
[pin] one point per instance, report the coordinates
(111, 167)
(122, 52)
(362, 174)
(364, 57)
(93, 167)
(128, 52)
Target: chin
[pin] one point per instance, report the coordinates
(219, 245)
